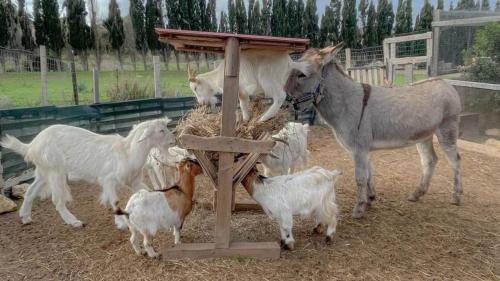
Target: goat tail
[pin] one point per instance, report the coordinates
(120, 212)
(329, 209)
(15, 145)
(121, 218)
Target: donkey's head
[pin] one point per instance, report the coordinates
(205, 94)
(306, 73)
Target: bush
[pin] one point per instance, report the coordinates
(128, 91)
(483, 61)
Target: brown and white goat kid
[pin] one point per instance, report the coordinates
(310, 193)
(150, 211)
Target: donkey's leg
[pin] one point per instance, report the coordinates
(371, 186)
(32, 192)
(428, 158)
(361, 160)
(447, 135)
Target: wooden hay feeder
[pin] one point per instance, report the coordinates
(225, 176)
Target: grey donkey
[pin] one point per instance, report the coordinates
(366, 118)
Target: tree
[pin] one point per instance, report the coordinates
(440, 4)
(223, 22)
(250, 16)
(266, 17)
(417, 23)
(241, 17)
(255, 26)
(114, 25)
(299, 19)
(79, 35)
(370, 37)
(137, 13)
(292, 25)
(47, 24)
(486, 5)
(279, 18)
(400, 18)
(497, 6)
(336, 6)
(231, 16)
(363, 10)
(385, 20)
(4, 38)
(425, 21)
(27, 40)
(466, 5)
(408, 26)
(174, 15)
(311, 28)
(327, 33)
(349, 24)
(152, 19)
(451, 6)
(212, 15)
(92, 7)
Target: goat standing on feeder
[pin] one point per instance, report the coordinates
(60, 152)
(292, 155)
(150, 211)
(310, 193)
(161, 165)
(260, 72)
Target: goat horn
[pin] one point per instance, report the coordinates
(280, 140)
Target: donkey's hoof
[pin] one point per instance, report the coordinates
(359, 210)
(413, 198)
(456, 200)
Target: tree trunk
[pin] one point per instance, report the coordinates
(206, 61)
(165, 58)
(2, 62)
(85, 61)
(144, 54)
(197, 59)
(17, 63)
(133, 60)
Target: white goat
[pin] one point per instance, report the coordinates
(310, 193)
(161, 165)
(60, 152)
(292, 155)
(260, 72)
(150, 211)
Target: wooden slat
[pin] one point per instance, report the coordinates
(358, 75)
(225, 144)
(421, 36)
(381, 75)
(408, 60)
(226, 159)
(207, 166)
(376, 80)
(264, 250)
(370, 76)
(466, 22)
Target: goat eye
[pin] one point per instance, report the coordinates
(162, 131)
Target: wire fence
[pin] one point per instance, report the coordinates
(463, 51)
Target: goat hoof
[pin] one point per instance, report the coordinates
(26, 220)
(77, 224)
(289, 247)
(282, 244)
(456, 200)
(412, 198)
(317, 230)
(328, 240)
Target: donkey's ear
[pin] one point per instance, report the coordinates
(330, 52)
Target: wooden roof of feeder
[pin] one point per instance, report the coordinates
(214, 42)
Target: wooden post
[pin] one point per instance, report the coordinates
(348, 62)
(156, 68)
(408, 73)
(392, 68)
(95, 78)
(43, 73)
(428, 53)
(73, 78)
(226, 159)
(435, 44)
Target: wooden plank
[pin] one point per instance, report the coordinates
(466, 22)
(226, 159)
(43, 74)
(262, 250)
(381, 74)
(225, 144)
(370, 76)
(408, 73)
(358, 75)
(408, 60)
(470, 84)
(207, 166)
(348, 62)
(157, 77)
(428, 53)
(406, 38)
(435, 44)
(391, 72)
(376, 80)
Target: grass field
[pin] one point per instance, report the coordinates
(24, 89)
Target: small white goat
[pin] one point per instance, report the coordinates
(60, 152)
(150, 211)
(310, 193)
(161, 166)
(292, 155)
(260, 72)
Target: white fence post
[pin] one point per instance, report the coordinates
(95, 78)
(409, 73)
(43, 73)
(348, 62)
(156, 67)
(435, 43)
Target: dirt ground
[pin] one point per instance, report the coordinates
(397, 239)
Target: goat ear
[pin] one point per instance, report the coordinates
(330, 52)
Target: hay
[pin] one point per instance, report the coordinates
(201, 122)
